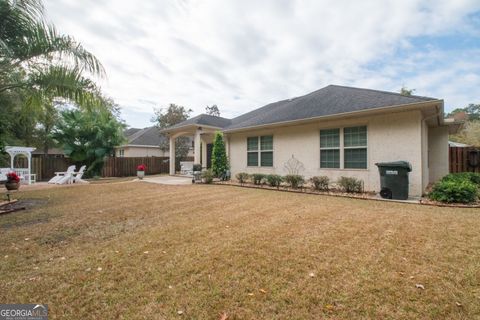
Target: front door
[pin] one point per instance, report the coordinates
(209, 155)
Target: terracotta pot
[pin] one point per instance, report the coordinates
(140, 174)
(12, 185)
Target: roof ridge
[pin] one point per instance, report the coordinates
(381, 91)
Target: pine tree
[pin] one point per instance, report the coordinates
(219, 155)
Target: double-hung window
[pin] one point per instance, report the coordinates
(347, 143)
(355, 147)
(260, 151)
(330, 148)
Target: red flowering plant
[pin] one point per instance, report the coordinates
(13, 177)
(141, 167)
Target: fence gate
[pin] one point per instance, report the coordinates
(464, 159)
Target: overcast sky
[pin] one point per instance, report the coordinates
(244, 54)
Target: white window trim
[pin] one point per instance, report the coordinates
(339, 148)
(259, 151)
(342, 148)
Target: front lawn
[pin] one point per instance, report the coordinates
(136, 250)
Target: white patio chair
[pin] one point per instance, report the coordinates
(186, 167)
(3, 173)
(77, 176)
(61, 175)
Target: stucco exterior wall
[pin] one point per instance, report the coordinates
(438, 153)
(425, 146)
(391, 137)
(130, 152)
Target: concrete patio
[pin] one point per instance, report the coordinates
(170, 180)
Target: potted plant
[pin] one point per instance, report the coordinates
(141, 171)
(13, 181)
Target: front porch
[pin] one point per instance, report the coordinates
(202, 145)
(202, 128)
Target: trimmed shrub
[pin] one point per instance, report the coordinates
(257, 178)
(207, 176)
(294, 180)
(219, 156)
(463, 176)
(320, 182)
(242, 177)
(454, 191)
(274, 180)
(350, 184)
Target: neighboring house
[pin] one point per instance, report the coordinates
(458, 144)
(335, 131)
(52, 153)
(144, 143)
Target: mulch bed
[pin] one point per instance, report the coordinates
(338, 193)
(305, 190)
(429, 202)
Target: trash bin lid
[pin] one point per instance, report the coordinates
(398, 164)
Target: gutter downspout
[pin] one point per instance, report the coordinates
(424, 119)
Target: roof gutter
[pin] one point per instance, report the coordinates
(405, 107)
(168, 130)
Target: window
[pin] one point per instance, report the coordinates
(260, 151)
(121, 153)
(355, 147)
(330, 148)
(266, 151)
(252, 151)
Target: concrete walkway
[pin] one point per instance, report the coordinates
(171, 180)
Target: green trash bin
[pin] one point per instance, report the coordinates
(394, 179)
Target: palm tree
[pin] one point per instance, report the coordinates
(40, 64)
(36, 58)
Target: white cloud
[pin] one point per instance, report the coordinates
(243, 54)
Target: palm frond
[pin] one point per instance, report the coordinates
(44, 42)
(69, 83)
(29, 8)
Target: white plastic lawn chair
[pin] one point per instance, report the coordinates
(62, 175)
(77, 176)
(3, 173)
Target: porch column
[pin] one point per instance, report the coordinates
(29, 168)
(172, 155)
(196, 144)
(204, 154)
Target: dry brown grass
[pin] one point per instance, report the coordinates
(250, 253)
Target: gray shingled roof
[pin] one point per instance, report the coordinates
(144, 137)
(204, 120)
(149, 136)
(327, 101)
(128, 132)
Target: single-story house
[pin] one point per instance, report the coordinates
(146, 142)
(458, 144)
(335, 131)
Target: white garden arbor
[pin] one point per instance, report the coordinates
(24, 173)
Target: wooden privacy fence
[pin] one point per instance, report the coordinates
(464, 159)
(45, 167)
(124, 167)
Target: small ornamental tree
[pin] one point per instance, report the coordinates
(219, 155)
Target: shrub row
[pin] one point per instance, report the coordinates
(320, 183)
(457, 188)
